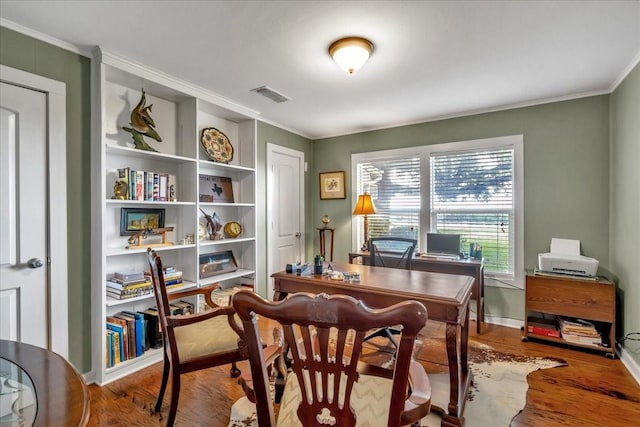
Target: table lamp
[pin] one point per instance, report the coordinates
(365, 206)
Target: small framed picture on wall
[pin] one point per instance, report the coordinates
(332, 185)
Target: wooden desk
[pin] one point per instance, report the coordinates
(468, 267)
(446, 297)
(62, 395)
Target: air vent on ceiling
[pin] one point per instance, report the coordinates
(271, 94)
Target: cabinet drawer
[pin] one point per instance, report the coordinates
(593, 300)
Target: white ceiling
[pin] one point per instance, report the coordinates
(432, 59)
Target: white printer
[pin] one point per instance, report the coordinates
(565, 258)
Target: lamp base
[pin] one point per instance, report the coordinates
(365, 246)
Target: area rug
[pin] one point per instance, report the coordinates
(497, 395)
(499, 389)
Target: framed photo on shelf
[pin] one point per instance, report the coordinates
(133, 220)
(217, 263)
(215, 189)
(332, 185)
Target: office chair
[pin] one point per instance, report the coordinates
(392, 252)
(327, 384)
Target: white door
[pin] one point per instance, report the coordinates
(285, 209)
(23, 216)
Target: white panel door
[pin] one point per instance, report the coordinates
(23, 216)
(285, 201)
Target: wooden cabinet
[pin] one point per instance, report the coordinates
(590, 300)
(180, 111)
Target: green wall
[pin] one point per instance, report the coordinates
(625, 202)
(566, 157)
(31, 55)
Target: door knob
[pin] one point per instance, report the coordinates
(35, 263)
(298, 234)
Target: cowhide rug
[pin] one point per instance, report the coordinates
(497, 395)
(499, 388)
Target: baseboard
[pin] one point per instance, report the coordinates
(629, 363)
(503, 321)
(625, 357)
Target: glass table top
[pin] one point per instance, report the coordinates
(18, 403)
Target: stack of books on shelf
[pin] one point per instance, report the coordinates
(149, 186)
(543, 326)
(172, 277)
(128, 285)
(579, 331)
(130, 334)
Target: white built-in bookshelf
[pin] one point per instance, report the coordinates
(180, 111)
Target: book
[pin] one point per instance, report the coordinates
(131, 333)
(128, 276)
(547, 327)
(187, 307)
(148, 189)
(162, 187)
(139, 337)
(139, 185)
(117, 347)
(136, 284)
(108, 354)
(132, 184)
(156, 187)
(120, 342)
(153, 332)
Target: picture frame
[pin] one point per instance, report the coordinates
(215, 189)
(332, 185)
(217, 263)
(134, 220)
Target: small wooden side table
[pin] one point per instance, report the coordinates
(322, 230)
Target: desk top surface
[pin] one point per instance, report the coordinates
(450, 289)
(422, 258)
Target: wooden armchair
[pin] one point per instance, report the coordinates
(196, 341)
(323, 336)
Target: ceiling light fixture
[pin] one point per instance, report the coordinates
(350, 53)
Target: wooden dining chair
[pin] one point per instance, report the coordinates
(195, 341)
(391, 252)
(327, 384)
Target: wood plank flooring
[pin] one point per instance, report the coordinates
(591, 391)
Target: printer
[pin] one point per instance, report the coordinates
(565, 258)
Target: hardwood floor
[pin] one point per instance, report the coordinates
(591, 391)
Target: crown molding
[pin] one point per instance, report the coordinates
(44, 37)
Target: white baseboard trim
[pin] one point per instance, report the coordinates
(629, 363)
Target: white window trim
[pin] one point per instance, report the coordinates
(425, 152)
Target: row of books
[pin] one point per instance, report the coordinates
(572, 330)
(130, 334)
(149, 186)
(137, 283)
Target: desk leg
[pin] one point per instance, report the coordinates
(480, 301)
(459, 377)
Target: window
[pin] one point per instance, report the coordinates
(471, 188)
(471, 194)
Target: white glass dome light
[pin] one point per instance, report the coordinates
(351, 53)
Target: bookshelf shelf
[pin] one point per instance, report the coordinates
(591, 300)
(181, 111)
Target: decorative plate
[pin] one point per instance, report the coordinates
(216, 145)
